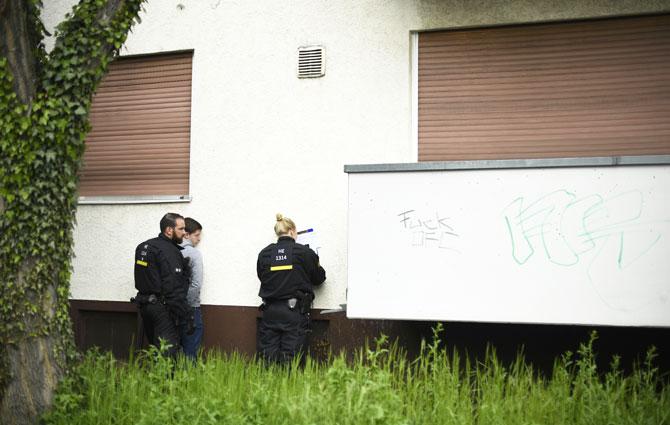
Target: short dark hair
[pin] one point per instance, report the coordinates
(169, 220)
(192, 225)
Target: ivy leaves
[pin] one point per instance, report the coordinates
(41, 150)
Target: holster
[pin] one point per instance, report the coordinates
(141, 299)
(305, 301)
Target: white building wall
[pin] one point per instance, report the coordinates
(264, 141)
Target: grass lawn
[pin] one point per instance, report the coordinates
(379, 386)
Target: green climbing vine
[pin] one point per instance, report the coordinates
(41, 152)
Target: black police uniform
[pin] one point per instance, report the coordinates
(161, 278)
(287, 271)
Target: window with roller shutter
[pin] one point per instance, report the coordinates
(588, 88)
(139, 143)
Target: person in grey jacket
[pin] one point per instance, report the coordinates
(191, 342)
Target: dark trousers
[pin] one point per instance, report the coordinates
(282, 333)
(158, 323)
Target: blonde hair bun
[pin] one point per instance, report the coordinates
(283, 225)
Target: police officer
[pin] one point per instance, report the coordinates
(161, 278)
(288, 271)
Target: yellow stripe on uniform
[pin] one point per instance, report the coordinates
(142, 263)
(277, 268)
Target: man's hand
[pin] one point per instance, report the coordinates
(190, 323)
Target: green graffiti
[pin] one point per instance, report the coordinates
(565, 227)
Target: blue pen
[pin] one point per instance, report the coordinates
(305, 231)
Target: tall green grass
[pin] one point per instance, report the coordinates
(379, 386)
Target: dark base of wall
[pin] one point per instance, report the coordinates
(543, 344)
(116, 326)
(232, 328)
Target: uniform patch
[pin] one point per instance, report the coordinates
(281, 258)
(142, 263)
(277, 268)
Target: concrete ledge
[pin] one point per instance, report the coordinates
(510, 163)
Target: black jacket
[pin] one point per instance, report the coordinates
(161, 269)
(286, 267)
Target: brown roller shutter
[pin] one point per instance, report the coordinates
(140, 128)
(592, 88)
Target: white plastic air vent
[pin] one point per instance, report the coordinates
(311, 62)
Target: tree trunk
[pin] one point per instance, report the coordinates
(34, 364)
(40, 160)
(18, 41)
(35, 376)
(30, 366)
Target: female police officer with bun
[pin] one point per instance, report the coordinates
(288, 271)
